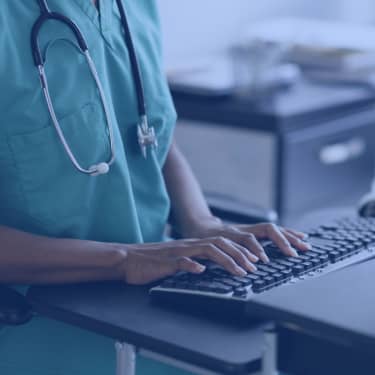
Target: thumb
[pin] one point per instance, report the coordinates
(151, 268)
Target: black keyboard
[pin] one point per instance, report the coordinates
(334, 246)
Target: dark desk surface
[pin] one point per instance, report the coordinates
(303, 105)
(127, 314)
(339, 306)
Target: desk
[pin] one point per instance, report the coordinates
(127, 315)
(319, 137)
(327, 324)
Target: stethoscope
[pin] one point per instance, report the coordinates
(146, 135)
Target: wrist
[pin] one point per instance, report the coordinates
(197, 226)
(114, 264)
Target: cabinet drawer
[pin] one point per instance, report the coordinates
(330, 164)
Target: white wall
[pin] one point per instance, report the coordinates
(194, 28)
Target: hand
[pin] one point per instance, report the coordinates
(148, 262)
(247, 236)
(234, 247)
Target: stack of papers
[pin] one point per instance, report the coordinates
(324, 49)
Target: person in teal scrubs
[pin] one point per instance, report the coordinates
(58, 225)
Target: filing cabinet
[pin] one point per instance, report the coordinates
(308, 147)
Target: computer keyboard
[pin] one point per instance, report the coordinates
(334, 246)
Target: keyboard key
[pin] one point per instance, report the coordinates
(230, 282)
(316, 262)
(276, 266)
(307, 265)
(221, 288)
(252, 276)
(334, 256)
(242, 280)
(287, 273)
(219, 272)
(295, 260)
(343, 251)
(332, 227)
(266, 269)
(240, 292)
(259, 286)
(278, 276)
(259, 273)
(269, 280)
(298, 269)
(317, 251)
(306, 257)
(284, 262)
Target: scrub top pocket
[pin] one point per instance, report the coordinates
(56, 194)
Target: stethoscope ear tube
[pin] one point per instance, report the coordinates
(44, 17)
(133, 58)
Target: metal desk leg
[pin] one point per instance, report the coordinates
(125, 359)
(269, 360)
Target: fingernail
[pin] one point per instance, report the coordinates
(255, 258)
(293, 252)
(305, 245)
(308, 245)
(241, 271)
(200, 268)
(265, 258)
(250, 266)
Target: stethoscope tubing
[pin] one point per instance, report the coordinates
(146, 135)
(134, 61)
(44, 17)
(91, 170)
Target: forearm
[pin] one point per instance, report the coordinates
(189, 206)
(29, 259)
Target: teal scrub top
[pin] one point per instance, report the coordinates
(40, 190)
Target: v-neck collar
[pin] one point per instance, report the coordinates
(89, 9)
(102, 17)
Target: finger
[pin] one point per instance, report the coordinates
(251, 244)
(189, 265)
(234, 236)
(143, 269)
(250, 256)
(230, 248)
(278, 238)
(296, 242)
(213, 253)
(296, 233)
(159, 267)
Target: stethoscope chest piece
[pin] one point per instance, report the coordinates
(146, 136)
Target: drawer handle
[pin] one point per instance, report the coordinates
(339, 153)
